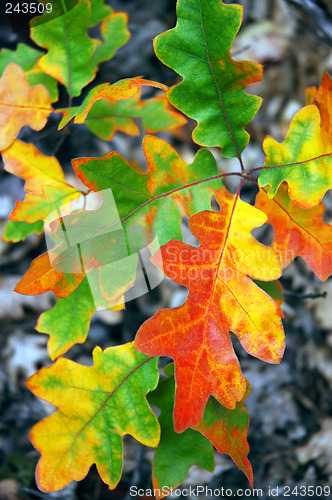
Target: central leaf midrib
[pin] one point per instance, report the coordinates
(217, 87)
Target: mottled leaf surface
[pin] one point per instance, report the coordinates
(47, 189)
(323, 99)
(123, 89)
(107, 117)
(41, 277)
(298, 232)
(97, 405)
(222, 298)
(227, 430)
(20, 105)
(304, 158)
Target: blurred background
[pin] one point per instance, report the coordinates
(290, 406)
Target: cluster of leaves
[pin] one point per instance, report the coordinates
(231, 277)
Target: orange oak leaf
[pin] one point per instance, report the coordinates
(121, 90)
(323, 100)
(20, 104)
(222, 298)
(41, 277)
(298, 231)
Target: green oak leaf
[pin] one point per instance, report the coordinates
(198, 48)
(23, 55)
(114, 34)
(19, 230)
(176, 453)
(68, 321)
(69, 48)
(99, 11)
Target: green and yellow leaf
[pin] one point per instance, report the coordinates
(47, 189)
(107, 117)
(304, 158)
(114, 34)
(97, 405)
(28, 58)
(69, 49)
(68, 322)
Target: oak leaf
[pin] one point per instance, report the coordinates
(198, 48)
(68, 322)
(69, 49)
(47, 189)
(41, 277)
(163, 195)
(298, 232)
(20, 105)
(98, 12)
(107, 117)
(18, 230)
(323, 100)
(27, 58)
(121, 90)
(97, 405)
(222, 298)
(114, 34)
(304, 158)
